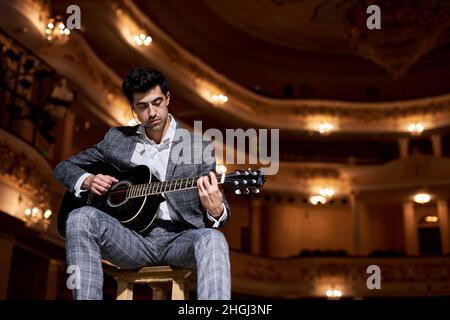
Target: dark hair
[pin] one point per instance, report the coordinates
(143, 79)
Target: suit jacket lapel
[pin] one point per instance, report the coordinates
(127, 146)
(174, 154)
(131, 145)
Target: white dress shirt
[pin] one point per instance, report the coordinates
(156, 157)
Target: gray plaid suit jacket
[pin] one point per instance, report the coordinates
(118, 146)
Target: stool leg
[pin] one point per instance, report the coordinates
(159, 292)
(179, 289)
(124, 290)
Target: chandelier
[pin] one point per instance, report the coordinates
(409, 30)
(37, 219)
(56, 31)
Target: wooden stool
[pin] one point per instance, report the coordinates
(162, 280)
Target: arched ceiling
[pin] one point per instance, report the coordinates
(321, 49)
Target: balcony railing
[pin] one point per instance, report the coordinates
(352, 277)
(33, 97)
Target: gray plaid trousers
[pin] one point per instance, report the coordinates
(92, 235)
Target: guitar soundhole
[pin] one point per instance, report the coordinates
(118, 194)
(117, 197)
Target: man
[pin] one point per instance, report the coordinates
(181, 234)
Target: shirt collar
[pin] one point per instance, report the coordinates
(168, 137)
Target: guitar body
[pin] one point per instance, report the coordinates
(136, 213)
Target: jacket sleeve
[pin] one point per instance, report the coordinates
(67, 172)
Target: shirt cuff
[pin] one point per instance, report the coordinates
(79, 183)
(222, 217)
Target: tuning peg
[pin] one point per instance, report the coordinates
(255, 173)
(246, 191)
(253, 181)
(244, 182)
(237, 172)
(235, 182)
(237, 191)
(256, 190)
(246, 173)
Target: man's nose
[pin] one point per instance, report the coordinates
(151, 111)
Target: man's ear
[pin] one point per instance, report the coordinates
(168, 97)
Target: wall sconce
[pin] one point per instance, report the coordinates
(37, 219)
(220, 168)
(325, 128)
(317, 199)
(220, 98)
(415, 129)
(333, 294)
(327, 192)
(431, 219)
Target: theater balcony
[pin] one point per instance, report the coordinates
(329, 276)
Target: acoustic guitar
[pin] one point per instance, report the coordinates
(135, 199)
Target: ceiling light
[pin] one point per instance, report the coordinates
(422, 198)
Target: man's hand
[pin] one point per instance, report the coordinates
(98, 184)
(210, 195)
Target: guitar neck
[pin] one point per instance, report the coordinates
(156, 188)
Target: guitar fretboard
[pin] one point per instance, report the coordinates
(154, 188)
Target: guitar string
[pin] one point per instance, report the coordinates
(126, 188)
(164, 184)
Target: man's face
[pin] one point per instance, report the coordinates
(151, 108)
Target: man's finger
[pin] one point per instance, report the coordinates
(112, 179)
(214, 181)
(200, 185)
(102, 183)
(207, 184)
(100, 189)
(106, 179)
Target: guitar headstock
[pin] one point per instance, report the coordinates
(245, 181)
